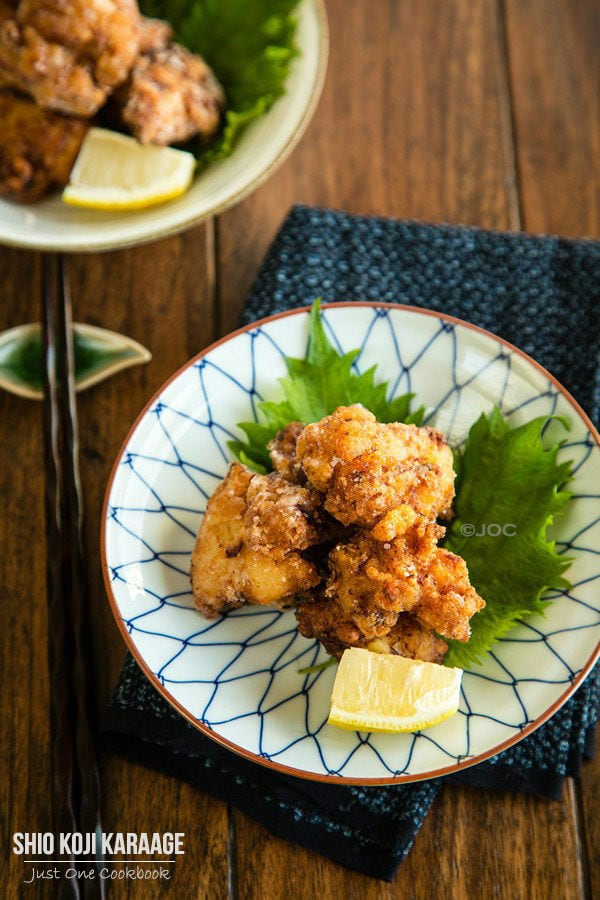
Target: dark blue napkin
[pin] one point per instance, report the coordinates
(540, 293)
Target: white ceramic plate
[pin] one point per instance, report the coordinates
(237, 678)
(52, 225)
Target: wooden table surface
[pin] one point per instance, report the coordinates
(482, 112)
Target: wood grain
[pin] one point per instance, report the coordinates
(139, 799)
(24, 695)
(553, 52)
(414, 122)
(463, 862)
(587, 792)
(555, 85)
(162, 295)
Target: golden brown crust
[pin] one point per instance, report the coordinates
(371, 582)
(69, 55)
(282, 450)
(410, 638)
(154, 34)
(226, 571)
(448, 600)
(365, 468)
(171, 96)
(37, 148)
(380, 580)
(281, 516)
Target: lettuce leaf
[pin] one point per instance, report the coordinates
(249, 45)
(313, 388)
(508, 494)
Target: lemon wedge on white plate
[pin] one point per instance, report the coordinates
(389, 693)
(113, 171)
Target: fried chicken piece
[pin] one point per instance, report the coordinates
(373, 577)
(154, 34)
(337, 438)
(370, 578)
(366, 468)
(69, 55)
(171, 96)
(281, 516)
(7, 10)
(380, 576)
(448, 600)
(323, 619)
(225, 571)
(282, 450)
(37, 148)
(408, 637)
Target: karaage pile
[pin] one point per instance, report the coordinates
(346, 530)
(79, 59)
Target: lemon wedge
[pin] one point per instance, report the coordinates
(113, 171)
(385, 692)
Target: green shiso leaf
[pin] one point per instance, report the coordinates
(249, 45)
(313, 388)
(509, 490)
(320, 667)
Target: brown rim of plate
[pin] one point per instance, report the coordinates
(241, 751)
(158, 233)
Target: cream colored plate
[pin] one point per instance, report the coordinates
(52, 225)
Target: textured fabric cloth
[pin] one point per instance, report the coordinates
(540, 293)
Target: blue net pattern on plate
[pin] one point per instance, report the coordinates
(240, 675)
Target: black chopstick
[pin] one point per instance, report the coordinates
(75, 774)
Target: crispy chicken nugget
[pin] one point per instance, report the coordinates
(281, 516)
(37, 148)
(172, 95)
(225, 571)
(322, 618)
(448, 600)
(282, 450)
(369, 575)
(371, 580)
(338, 438)
(408, 637)
(69, 55)
(366, 468)
(373, 583)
